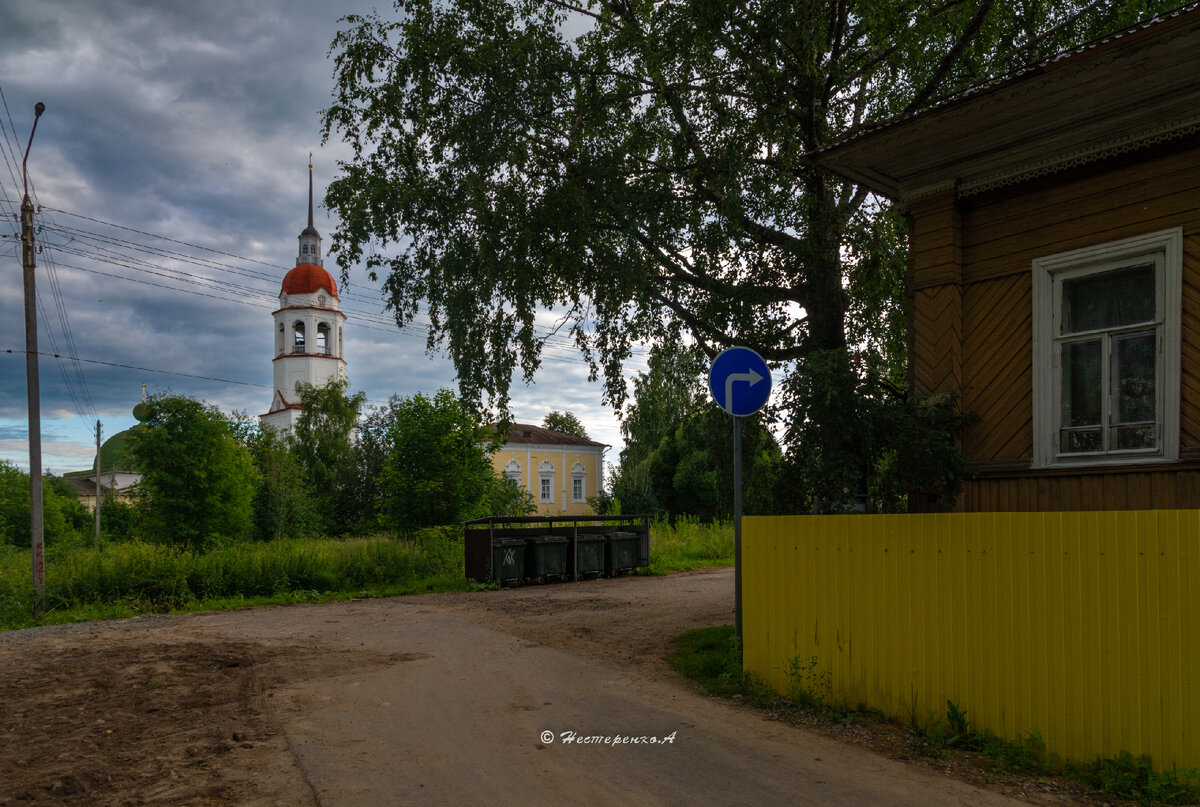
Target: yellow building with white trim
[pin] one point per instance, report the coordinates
(559, 470)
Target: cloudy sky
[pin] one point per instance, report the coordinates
(170, 168)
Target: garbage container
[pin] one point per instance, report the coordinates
(622, 552)
(546, 557)
(589, 555)
(508, 561)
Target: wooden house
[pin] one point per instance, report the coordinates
(1054, 270)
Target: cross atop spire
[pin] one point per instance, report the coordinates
(310, 219)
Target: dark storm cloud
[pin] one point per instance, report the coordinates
(193, 121)
(183, 119)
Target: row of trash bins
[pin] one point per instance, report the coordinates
(544, 558)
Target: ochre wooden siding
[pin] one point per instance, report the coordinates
(998, 368)
(1116, 489)
(971, 324)
(1084, 627)
(935, 298)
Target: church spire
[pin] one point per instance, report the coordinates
(310, 239)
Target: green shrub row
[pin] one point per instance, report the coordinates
(160, 577)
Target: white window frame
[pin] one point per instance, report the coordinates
(578, 477)
(1165, 250)
(546, 483)
(512, 470)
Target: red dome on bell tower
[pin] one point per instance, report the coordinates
(306, 279)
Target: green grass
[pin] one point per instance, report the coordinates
(1132, 777)
(137, 578)
(689, 544)
(711, 658)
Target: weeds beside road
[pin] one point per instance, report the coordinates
(710, 657)
(134, 578)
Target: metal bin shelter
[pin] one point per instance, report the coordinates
(508, 561)
(546, 557)
(622, 553)
(590, 555)
(588, 550)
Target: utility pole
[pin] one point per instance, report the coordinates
(97, 541)
(31, 376)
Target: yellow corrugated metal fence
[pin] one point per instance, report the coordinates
(1083, 626)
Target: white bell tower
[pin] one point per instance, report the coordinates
(307, 328)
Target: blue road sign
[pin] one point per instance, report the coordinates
(740, 381)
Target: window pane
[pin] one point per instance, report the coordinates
(1133, 361)
(1109, 300)
(1081, 393)
(1081, 441)
(1131, 437)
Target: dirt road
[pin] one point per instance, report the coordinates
(441, 699)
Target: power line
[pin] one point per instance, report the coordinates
(559, 352)
(160, 371)
(104, 248)
(76, 404)
(549, 332)
(10, 148)
(147, 369)
(77, 389)
(87, 408)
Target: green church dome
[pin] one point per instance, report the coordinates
(112, 454)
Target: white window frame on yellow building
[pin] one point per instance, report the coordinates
(578, 483)
(546, 482)
(512, 470)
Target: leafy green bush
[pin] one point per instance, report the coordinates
(65, 522)
(118, 519)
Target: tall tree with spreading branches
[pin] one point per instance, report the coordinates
(641, 165)
(566, 422)
(198, 481)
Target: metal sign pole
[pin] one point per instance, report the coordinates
(736, 382)
(737, 528)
